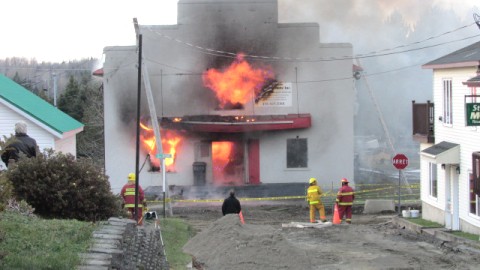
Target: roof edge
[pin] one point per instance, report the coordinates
(451, 65)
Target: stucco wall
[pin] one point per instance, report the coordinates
(176, 57)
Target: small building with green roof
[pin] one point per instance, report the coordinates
(48, 125)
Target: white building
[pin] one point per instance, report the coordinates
(296, 121)
(450, 168)
(49, 126)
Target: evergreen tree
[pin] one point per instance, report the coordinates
(72, 101)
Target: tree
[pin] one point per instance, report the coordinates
(84, 102)
(72, 101)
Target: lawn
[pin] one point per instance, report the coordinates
(28, 242)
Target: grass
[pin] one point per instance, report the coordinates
(28, 242)
(466, 235)
(176, 233)
(425, 223)
(430, 224)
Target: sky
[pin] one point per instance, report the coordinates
(59, 30)
(56, 30)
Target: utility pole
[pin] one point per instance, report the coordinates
(383, 123)
(156, 127)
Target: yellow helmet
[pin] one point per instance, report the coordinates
(131, 177)
(312, 180)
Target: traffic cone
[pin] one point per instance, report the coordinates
(241, 217)
(336, 216)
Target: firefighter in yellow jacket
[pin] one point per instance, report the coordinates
(314, 192)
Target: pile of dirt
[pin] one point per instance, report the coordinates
(229, 244)
(370, 242)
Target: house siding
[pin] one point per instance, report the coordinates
(45, 140)
(467, 137)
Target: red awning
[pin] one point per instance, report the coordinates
(98, 72)
(237, 124)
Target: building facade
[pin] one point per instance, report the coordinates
(450, 165)
(241, 99)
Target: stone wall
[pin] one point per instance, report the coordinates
(121, 245)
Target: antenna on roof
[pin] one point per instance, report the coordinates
(476, 17)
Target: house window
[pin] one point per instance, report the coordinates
(297, 150)
(474, 199)
(433, 181)
(447, 102)
(476, 173)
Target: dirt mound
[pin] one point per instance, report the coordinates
(229, 244)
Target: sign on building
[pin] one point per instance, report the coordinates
(472, 114)
(280, 96)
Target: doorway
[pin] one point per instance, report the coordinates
(228, 163)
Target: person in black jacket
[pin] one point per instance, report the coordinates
(231, 205)
(21, 144)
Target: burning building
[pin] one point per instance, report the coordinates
(241, 99)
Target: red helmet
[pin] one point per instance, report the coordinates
(344, 180)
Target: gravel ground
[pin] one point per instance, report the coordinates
(370, 242)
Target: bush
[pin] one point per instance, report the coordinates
(5, 190)
(59, 186)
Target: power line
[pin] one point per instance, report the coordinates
(383, 52)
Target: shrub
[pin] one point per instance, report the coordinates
(5, 190)
(59, 186)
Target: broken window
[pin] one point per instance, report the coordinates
(297, 150)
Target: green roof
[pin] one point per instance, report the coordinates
(36, 107)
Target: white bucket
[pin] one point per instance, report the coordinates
(406, 213)
(414, 213)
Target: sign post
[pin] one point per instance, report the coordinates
(399, 161)
(163, 157)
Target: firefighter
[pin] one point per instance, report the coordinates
(345, 197)
(128, 195)
(314, 192)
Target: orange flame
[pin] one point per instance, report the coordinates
(238, 83)
(170, 143)
(227, 162)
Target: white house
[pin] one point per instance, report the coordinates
(49, 126)
(240, 97)
(450, 168)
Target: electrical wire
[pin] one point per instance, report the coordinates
(383, 52)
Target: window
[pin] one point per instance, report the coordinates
(474, 199)
(202, 150)
(447, 102)
(297, 153)
(433, 182)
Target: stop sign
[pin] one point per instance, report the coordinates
(400, 161)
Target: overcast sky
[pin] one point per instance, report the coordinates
(59, 30)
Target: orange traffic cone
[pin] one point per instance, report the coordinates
(241, 217)
(336, 216)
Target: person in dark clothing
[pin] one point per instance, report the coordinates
(231, 205)
(21, 144)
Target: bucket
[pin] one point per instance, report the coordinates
(406, 213)
(414, 213)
